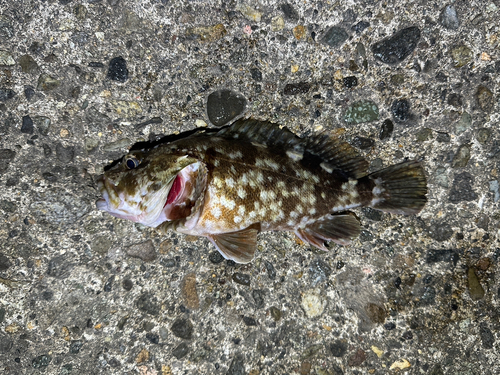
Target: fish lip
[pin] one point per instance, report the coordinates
(101, 204)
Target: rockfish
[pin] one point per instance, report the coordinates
(254, 176)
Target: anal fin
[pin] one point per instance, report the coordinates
(239, 246)
(340, 229)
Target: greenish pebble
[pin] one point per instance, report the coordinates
(362, 111)
(275, 313)
(462, 157)
(117, 145)
(41, 361)
(335, 36)
(311, 351)
(101, 245)
(483, 135)
(163, 331)
(91, 144)
(42, 124)
(397, 79)
(6, 58)
(424, 135)
(461, 55)
(484, 98)
(476, 291)
(28, 65)
(441, 177)
(47, 83)
(464, 123)
(80, 12)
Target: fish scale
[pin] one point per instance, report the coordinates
(254, 176)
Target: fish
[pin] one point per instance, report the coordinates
(254, 176)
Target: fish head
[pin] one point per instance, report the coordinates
(147, 188)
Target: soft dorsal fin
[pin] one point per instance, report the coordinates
(335, 153)
(239, 246)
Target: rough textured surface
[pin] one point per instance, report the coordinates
(84, 293)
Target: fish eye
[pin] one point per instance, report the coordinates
(131, 162)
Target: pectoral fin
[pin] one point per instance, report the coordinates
(238, 246)
(337, 228)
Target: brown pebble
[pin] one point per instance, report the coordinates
(144, 250)
(143, 356)
(299, 31)
(483, 264)
(376, 313)
(189, 292)
(357, 358)
(305, 368)
(476, 291)
(165, 247)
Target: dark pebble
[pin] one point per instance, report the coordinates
(47, 151)
(386, 129)
(148, 303)
(487, 337)
(108, 285)
(449, 18)
(372, 214)
(153, 338)
(75, 346)
(4, 262)
(6, 28)
(335, 36)
(215, 257)
(408, 335)
(29, 92)
(485, 98)
(338, 348)
(41, 361)
(443, 137)
(296, 88)
(223, 106)
(127, 284)
(182, 328)
(59, 267)
(462, 188)
(241, 278)
(376, 313)
(396, 48)
(6, 94)
(237, 366)
(96, 64)
(256, 74)
(117, 70)
(28, 64)
(5, 343)
(168, 263)
(455, 100)
(258, 297)
(462, 156)
(27, 126)
(319, 271)
(180, 351)
(289, 12)
(400, 110)
(249, 321)
(47, 295)
(271, 272)
(360, 27)
(65, 154)
(350, 81)
(362, 142)
(389, 326)
(440, 231)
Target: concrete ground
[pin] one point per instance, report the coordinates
(84, 293)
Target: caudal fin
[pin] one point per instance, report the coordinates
(400, 188)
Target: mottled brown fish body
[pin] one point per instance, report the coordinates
(254, 176)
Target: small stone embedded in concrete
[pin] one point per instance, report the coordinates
(483, 135)
(108, 285)
(65, 154)
(189, 292)
(256, 74)
(375, 313)
(476, 291)
(241, 278)
(299, 32)
(42, 124)
(319, 271)
(362, 111)
(487, 336)
(126, 108)
(258, 297)
(4, 263)
(224, 105)
(357, 358)
(75, 346)
(180, 351)
(143, 356)
(495, 189)
(296, 88)
(386, 129)
(461, 55)
(207, 33)
(41, 361)
(290, 12)
(461, 157)
(449, 17)
(362, 143)
(182, 328)
(397, 47)
(148, 303)
(27, 125)
(215, 257)
(441, 177)
(101, 244)
(6, 28)
(455, 100)
(29, 92)
(6, 59)
(440, 231)
(127, 284)
(6, 94)
(275, 313)
(360, 27)
(338, 348)
(145, 251)
(249, 321)
(117, 69)
(461, 189)
(28, 64)
(277, 23)
(312, 303)
(5, 343)
(484, 98)
(350, 82)
(400, 110)
(47, 83)
(464, 123)
(335, 36)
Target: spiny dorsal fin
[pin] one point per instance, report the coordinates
(335, 153)
(238, 246)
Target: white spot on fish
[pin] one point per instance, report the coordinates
(228, 203)
(294, 215)
(244, 179)
(312, 211)
(216, 212)
(230, 182)
(241, 192)
(251, 214)
(295, 155)
(235, 155)
(327, 167)
(241, 210)
(237, 219)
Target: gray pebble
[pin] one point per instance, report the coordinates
(462, 188)
(335, 36)
(182, 328)
(145, 251)
(396, 48)
(223, 106)
(449, 18)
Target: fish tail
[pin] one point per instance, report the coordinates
(399, 189)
